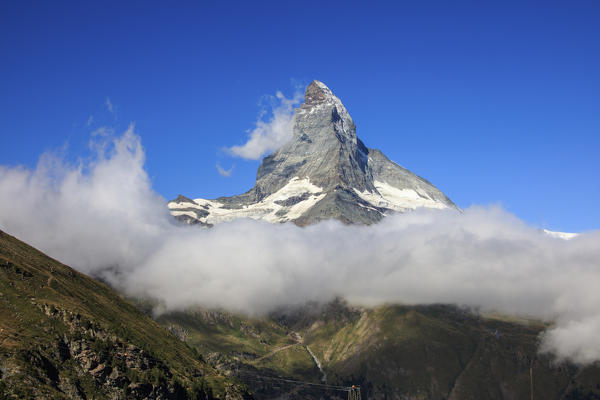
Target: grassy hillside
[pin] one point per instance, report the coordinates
(441, 352)
(65, 335)
(392, 352)
(247, 347)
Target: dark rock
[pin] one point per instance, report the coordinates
(290, 201)
(182, 199)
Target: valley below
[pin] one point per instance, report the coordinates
(390, 351)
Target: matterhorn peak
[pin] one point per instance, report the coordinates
(323, 172)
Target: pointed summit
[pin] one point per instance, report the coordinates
(316, 93)
(323, 172)
(323, 107)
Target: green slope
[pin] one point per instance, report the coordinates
(231, 341)
(391, 351)
(252, 348)
(441, 352)
(65, 335)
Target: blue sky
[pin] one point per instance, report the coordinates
(492, 102)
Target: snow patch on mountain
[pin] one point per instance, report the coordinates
(393, 198)
(287, 204)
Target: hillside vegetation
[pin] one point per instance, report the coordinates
(390, 351)
(65, 335)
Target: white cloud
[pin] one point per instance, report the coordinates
(225, 172)
(109, 105)
(109, 219)
(270, 135)
(89, 120)
(103, 131)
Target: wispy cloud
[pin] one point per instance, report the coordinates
(89, 120)
(103, 131)
(109, 105)
(100, 139)
(269, 135)
(109, 219)
(225, 172)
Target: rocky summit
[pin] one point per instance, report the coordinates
(324, 171)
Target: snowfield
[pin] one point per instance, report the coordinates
(269, 209)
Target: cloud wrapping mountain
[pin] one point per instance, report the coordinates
(269, 135)
(103, 218)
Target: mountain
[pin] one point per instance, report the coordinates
(65, 335)
(325, 171)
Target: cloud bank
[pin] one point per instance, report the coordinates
(103, 218)
(271, 134)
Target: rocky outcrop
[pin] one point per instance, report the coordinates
(325, 171)
(90, 356)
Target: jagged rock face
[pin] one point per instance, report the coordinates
(324, 148)
(323, 172)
